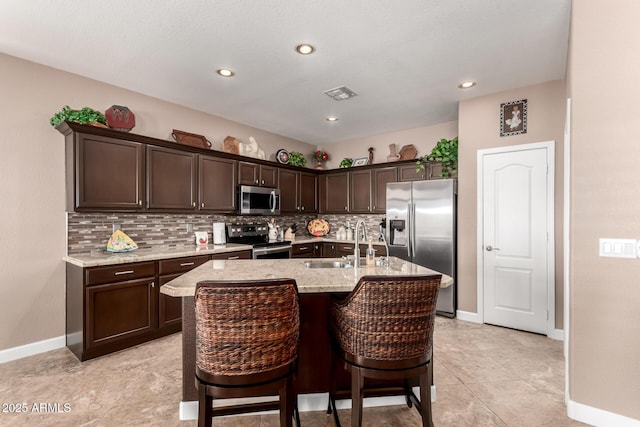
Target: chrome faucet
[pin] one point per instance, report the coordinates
(386, 246)
(356, 250)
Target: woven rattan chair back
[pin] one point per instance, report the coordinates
(388, 318)
(246, 328)
(247, 335)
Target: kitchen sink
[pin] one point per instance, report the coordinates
(327, 264)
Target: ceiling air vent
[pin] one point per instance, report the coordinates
(340, 93)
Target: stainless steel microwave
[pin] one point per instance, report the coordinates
(254, 200)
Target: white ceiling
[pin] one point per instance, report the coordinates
(404, 58)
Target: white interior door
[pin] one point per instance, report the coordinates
(517, 217)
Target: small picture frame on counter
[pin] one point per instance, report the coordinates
(362, 161)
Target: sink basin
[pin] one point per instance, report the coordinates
(326, 264)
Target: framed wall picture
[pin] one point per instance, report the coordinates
(513, 118)
(362, 161)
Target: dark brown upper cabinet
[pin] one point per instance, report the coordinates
(109, 174)
(334, 192)
(308, 192)
(298, 191)
(380, 177)
(411, 172)
(171, 179)
(217, 184)
(254, 174)
(360, 191)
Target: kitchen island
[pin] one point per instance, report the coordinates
(315, 286)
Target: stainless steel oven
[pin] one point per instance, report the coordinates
(256, 234)
(272, 250)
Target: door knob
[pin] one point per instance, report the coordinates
(491, 248)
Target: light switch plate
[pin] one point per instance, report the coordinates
(618, 248)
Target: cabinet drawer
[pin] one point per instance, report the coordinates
(343, 249)
(233, 255)
(119, 273)
(181, 265)
(302, 250)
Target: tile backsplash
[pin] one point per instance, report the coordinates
(89, 232)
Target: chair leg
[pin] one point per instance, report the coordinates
(357, 395)
(425, 398)
(286, 404)
(205, 407)
(332, 391)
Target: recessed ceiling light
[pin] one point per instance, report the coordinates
(305, 49)
(225, 72)
(332, 119)
(467, 84)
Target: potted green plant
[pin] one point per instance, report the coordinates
(84, 116)
(445, 152)
(297, 159)
(346, 162)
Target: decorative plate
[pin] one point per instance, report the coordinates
(318, 227)
(282, 156)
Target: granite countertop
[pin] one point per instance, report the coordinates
(309, 280)
(95, 259)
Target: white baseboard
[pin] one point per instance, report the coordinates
(557, 334)
(306, 403)
(598, 417)
(468, 316)
(26, 350)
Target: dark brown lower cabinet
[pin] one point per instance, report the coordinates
(114, 307)
(117, 311)
(110, 308)
(170, 308)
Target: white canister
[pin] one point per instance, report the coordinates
(219, 234)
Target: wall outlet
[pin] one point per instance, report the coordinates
(189, 228)
(619, 248)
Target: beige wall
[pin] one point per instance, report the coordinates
(423, 138)
(604, 352)
(479, 121)
(32, 218)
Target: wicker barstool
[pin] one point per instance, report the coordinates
(384, 330)
(247, 338)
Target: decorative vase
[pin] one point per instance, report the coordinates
(319, 164)
(393, 156)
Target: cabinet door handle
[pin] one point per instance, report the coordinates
(304, 248)
(345, 208)
(262, 182)
(185, 264)
(139, 202)
(234, 257)
(153, 284)
(374, 207)
(302, 208)
(118, 273)
(257, 182)
(202, 205)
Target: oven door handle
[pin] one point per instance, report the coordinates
(271, 250)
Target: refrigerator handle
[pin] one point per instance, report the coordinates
(412, 236)
(409, 231)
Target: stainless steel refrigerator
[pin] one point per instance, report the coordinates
(421, 228)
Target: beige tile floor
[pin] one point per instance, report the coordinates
(485, 376)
